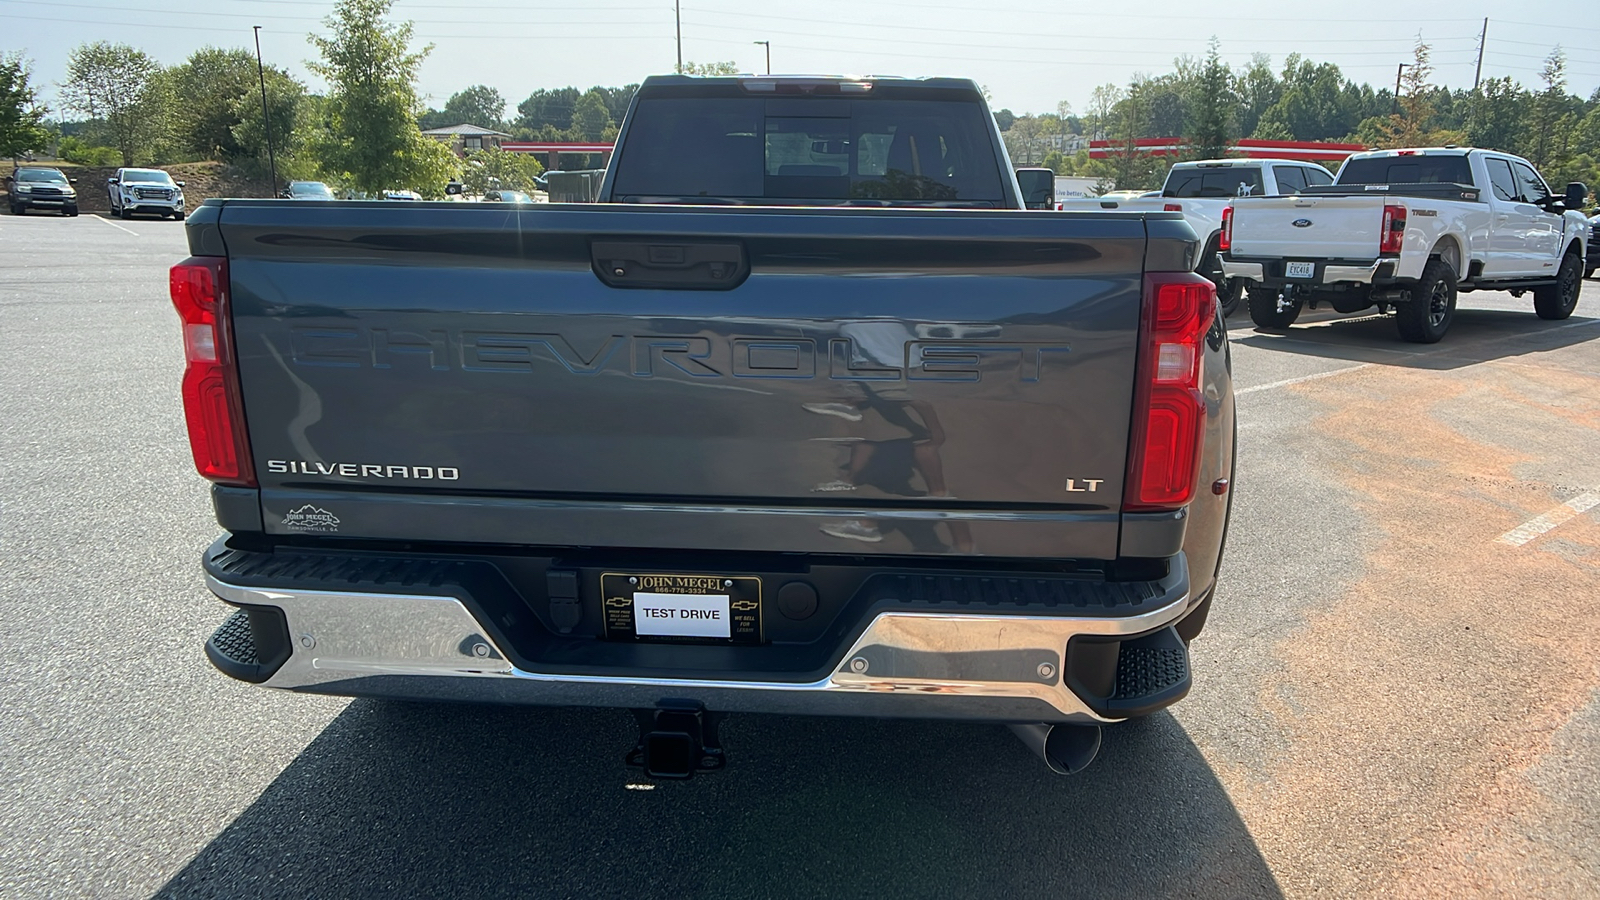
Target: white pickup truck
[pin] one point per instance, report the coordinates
(1404, 231)
(1200, 190)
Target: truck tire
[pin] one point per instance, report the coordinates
(1229, 290)
(1432, 307)
(1557, 301)
(125, 213)
(1264, 309)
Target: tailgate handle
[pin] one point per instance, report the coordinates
(670, 264)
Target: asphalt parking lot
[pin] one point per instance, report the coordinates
(1396, 694)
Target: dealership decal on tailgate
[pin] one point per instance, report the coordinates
(715, 608)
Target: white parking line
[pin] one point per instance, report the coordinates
(1303, 378)
(116, 226)
(1532, 528)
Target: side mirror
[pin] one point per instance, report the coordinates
(453, 188)
(1577, 192)
(113, 181)
(72, 181)
(178, 183)
(1038, 188)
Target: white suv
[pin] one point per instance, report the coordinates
(145, 191)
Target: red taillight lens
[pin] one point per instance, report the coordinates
(1392, 236)
(1172, 207)
(1169, 411)
(1225, 239)
(212, 404)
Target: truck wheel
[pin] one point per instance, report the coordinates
(1557, 301)
(17, 209)
(1264, 309)
(1427, 316)
(125, 213)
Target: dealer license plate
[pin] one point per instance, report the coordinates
(703, 608)
(1299, 270)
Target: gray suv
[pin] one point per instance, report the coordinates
(145, 191)
(41, 188)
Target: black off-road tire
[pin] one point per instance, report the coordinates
(1264, 309)
(124, 213)
(18, 210)
(1427, 316)
(1557, 301)
(177, 217)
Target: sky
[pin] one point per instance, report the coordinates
(1030, 54)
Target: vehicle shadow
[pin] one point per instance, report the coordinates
(397, 799)
(1476, 336)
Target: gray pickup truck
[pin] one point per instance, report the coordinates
(808, 415)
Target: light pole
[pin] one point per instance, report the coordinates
(768, 45)
(1397, 73)
(266, 115)
(677, 21)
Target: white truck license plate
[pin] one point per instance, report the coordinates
(681, 615)
(1299, 270)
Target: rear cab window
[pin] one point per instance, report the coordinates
(714, 142)
(1416, 169)
(1217, 181)
(1291, 179)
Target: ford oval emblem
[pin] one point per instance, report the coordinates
(1301, 223)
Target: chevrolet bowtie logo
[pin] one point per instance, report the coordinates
(744, 605)
(618, 601)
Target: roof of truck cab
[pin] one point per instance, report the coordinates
(1238, 161)
(955, 84)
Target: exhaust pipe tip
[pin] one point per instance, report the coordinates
(1066, 749)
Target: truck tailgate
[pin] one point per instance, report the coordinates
(465, 372)
(1307, 226)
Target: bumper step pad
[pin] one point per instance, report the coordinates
(251, 644)
(1152, 672)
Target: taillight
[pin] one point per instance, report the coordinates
(1392, 237)
(1225, 239)
(212, 403)
(1172, 207)
(1169, 415)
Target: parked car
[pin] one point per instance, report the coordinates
(307, 190)
(696, 450)
(1200, 190)
(506, 197)
(38, 187)
(149, 191)
(1406, 231)
(401, 195)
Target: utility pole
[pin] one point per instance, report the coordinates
(768, 45)
(677, 21)
(1396, 106)
(266, 115)
(1483, 38)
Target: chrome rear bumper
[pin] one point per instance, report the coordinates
(1363, 273)
(917, 664)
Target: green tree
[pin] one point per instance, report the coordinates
(713, 68)
(371, 140)
(126, 90)
(207, 88)
(293, 123)
(1409, 125)
(1258, 88)
(546, 107)
(1550, 121)
(477, 105)
(1211, 111)
(21, 117)
(590, 117)
(1495, 122)
(1004, 119)
(493, 168)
